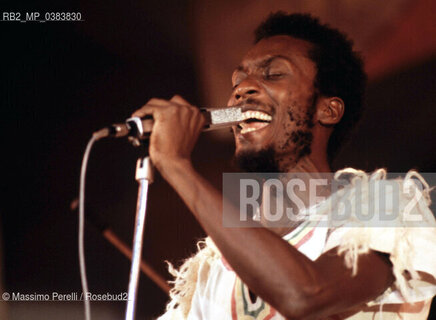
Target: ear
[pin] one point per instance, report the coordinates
(330, 111)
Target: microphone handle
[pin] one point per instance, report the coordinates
(140, 129)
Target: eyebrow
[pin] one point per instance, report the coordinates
(265, 62)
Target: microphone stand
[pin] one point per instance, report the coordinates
(136, 129)
(144, 176)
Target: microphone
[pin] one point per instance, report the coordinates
(137, 128)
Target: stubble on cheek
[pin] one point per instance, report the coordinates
(298, 134)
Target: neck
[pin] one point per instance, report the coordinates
(308, 163)
(306, 168)
(318, 164)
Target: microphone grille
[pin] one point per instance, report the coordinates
(225, 115)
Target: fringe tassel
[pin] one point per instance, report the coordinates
(185, 279)
(359, 239)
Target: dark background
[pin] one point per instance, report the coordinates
(62, 81)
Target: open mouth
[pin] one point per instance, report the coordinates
(254, 120)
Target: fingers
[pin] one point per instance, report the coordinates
(176, 127)
(179, 100)
(153, 104)
(149, 108)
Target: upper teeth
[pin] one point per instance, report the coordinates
(256, 115)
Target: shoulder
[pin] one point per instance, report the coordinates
(391, 216)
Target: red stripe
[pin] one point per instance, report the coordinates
(304, 239)
(233, 304)
(271, 314)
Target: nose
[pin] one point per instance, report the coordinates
(248, 88)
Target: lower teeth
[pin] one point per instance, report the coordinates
(246, 130)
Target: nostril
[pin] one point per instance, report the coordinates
(242, 91)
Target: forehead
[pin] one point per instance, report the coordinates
(296, 50)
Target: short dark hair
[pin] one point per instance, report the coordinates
(339, 68)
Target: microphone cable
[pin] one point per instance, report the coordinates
(81, 242)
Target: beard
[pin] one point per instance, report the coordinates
(263, 161)
(300, 140)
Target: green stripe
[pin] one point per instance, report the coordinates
(253, 313)
(297, 232)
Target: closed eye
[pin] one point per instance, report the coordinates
(274, 76)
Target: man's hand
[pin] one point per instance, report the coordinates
(177, 125)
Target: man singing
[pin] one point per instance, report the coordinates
(300, 88)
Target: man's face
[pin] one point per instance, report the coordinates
(274, 85)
